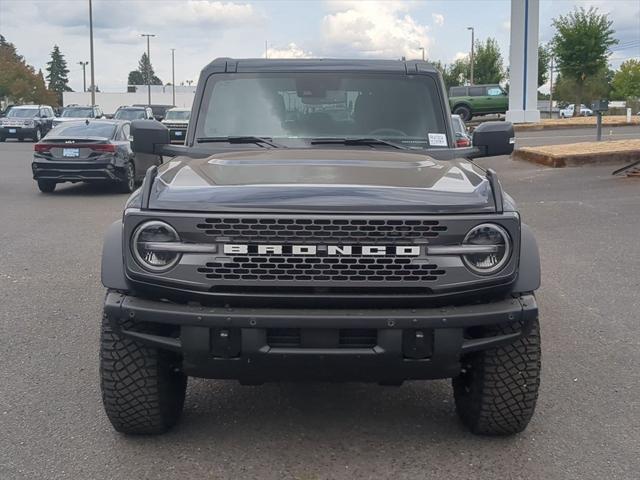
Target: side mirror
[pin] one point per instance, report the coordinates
(149, 136)
(494, 138)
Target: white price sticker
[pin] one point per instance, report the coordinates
(437, 140)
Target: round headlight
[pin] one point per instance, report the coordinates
(488, 234)
(147, 252)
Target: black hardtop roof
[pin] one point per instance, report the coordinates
(250, 65)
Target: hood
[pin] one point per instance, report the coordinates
(321, 180)
(59, 120)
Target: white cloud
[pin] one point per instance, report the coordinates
(460, 56)
(506, 25)
(438, 19)
(202, 13)
(290, 51)
(373, 29)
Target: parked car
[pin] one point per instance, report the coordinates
(284, 243)
(89, 151)
(4, 112)
(133, 113)
(159, 111)
(27, 121)
(463, 138)
(568, 111)
(474, 100)
(177, 121)
(75, 112)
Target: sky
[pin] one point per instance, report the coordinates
(201, 30)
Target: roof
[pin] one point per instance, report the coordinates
(27, 106)
(234, 65)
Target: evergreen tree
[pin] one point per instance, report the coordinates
(146, 69)
(57, 73)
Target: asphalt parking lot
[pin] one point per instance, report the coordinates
(587, 425)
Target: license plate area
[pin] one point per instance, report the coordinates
(71, 152)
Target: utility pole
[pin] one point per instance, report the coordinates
(472, 47)
(84, 75)
(551, 89)
(422, 48)
(266, 49)
(92, 60)
(148, 35)
(173, 75)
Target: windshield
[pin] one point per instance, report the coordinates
(82, 129)
(22, 113)
(130, 114)
(403, 108)
(178, 115)
(77, 112)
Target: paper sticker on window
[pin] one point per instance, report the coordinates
(437, 140)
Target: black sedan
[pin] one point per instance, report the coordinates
(89, 151)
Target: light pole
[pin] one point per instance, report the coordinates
(84, 75)
(92, 87)
(422, 48)
(472, 47)
(148, 35)
(173, 75)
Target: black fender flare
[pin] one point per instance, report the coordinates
(461, 104)
(529, 270)
(112, 271)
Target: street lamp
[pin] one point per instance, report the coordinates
(173, 75)
(148, 35)
(92, 87)
(84, 75)
(472, 42)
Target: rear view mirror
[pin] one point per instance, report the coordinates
(494, 138)
(149, 136)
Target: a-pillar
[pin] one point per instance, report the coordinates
(523, 62)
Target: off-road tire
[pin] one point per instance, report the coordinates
(37, 136)
(46, 186)
(143, 389)
(128, 183)
(497, 391)
(464, 112)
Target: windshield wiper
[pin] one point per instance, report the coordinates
(240, 139)
(356, 141)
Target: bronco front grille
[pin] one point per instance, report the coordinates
(297, 230)
(322, 269)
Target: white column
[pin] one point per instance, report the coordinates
(523, 62)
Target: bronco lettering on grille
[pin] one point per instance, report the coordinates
(324, 250)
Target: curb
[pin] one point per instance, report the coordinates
(523, 127)
(576, 160)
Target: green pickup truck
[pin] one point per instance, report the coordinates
(474, 100)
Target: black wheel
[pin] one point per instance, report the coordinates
(128, 183)
(38, 135)
(21, 139)
(497, 391)
(143, 389)
(464, 112)
(47, 186)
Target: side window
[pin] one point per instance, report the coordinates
(458, 91)
(124, 134)
(494, 91)
(477, 91)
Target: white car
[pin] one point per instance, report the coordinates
(567, 112)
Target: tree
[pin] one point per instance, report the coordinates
(456, 73)
(544, 56)
(487, 62)
(57, 73)
(596, 86)
(146, 70)
(19, 82)
(581, 46)
(626, 81)
(135, 78)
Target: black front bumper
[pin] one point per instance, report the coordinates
(237, 343)
(20, 132)
(74, 171)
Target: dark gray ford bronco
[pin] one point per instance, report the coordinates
(319, 225)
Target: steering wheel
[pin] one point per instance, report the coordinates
(387, 132)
